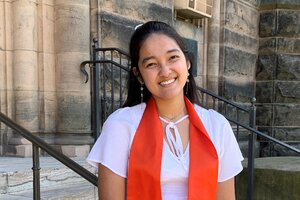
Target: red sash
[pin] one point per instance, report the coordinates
(143, 181)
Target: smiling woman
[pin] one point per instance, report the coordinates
(161, 145)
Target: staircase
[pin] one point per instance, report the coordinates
(56, 180)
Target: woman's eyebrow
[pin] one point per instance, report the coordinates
(173, 50)
(147, 58)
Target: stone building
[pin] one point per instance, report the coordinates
(247, 48)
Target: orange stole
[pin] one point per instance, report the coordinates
(144, 168)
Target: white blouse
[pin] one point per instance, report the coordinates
(113, 147)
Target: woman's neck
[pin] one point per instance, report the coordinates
(171, 110)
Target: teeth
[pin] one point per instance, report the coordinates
(167, 82)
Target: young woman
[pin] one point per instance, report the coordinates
(161, 145)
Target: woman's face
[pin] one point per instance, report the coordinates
(163, 67)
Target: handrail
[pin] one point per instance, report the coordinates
(82, 66)
(222, 99)
(113, 49)
(50, 150)
(256, 132)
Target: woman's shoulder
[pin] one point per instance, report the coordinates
(127, 114)
(209, 113)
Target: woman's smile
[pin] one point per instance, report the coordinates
(167, 82)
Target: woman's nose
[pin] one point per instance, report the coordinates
(164, 70)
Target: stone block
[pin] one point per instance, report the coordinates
(238, 90)
(25, 25)
(72, 28)
(27, 109)
(288, 45)
(255, 3)
(49, 112)
(158, 12)
(279, 150)
(266, 130)
(264, 115)
(279, 4)
(76, 151)
(73, 112)
(68, 75)
(241, 18)
(275, 178)
(239, 64)
(47, 29)
(287, 92)
(25, 70)
(19, 181)
(3, 183)
(287, 115)
(267, 24)
(287, 133)
(140, 10)
(240, 41)
(264, 92)
(47, 71)
(288, 23)
(213, 59)
(267, 46)
(116, 30)
(288, 67)
(23, 151)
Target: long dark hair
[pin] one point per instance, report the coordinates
(136, 42)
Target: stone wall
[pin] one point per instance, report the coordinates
(277, 73)
(42, 44)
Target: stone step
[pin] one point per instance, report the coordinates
(275, 178)
(81, 191)
(16, 179)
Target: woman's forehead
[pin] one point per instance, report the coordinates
(159, 43)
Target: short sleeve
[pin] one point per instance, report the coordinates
(112, 147)
(230, 156)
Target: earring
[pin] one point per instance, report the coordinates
(187, 84)
(142, 93)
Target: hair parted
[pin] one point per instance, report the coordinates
(139, 36)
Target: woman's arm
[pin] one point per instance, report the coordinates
(110, 185)
(225, 190)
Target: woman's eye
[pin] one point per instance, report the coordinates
(174, 57)
(151, 65)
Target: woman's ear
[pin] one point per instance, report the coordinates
(138, 75)
(188, 63)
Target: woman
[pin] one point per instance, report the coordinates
(161, 145)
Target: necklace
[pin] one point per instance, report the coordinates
(174, 117)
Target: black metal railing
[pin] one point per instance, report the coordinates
(239, 116)
(37, 144)
(109, 69)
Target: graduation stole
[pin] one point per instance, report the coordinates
(144, 168)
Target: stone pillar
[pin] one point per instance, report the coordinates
(6, 86)
(213, 47)
(25, 70)
(72, 46)
(46, 69)
(278, 75)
